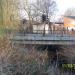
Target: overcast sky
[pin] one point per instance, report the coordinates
(63, 5)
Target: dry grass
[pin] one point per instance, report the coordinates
(19, 62)
(24, 62)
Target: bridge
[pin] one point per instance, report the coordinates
(51, 38)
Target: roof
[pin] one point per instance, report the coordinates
(72, 17)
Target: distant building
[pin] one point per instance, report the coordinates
(39, 28)
(69, 21)
(47, 27)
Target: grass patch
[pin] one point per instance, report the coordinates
(2, 32)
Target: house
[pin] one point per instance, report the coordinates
(40, 28)
(51, 27)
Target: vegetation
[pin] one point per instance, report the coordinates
(25, 62)
(18, 62)
(8, 14)
(9, 18)
(14, 61)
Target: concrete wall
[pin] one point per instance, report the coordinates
(40, 28)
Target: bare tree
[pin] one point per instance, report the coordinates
(46, 7)
(35, 10)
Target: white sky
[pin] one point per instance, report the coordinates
(63, 5)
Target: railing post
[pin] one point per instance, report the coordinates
(44, 30)
(67, 30)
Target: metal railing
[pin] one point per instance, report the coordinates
(46, 32)
(66, 33)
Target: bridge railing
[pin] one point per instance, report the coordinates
(46, 32)
(43, 32)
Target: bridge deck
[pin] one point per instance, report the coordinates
(46, 39)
